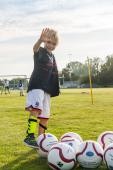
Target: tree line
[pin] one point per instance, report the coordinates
(101, 71)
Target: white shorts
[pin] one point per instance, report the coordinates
(21, 88)
(37, 99)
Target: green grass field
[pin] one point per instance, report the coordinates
(71, 111)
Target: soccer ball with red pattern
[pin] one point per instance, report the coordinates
(62, 157)
(45, 142)
(73, 142)
(105, 138)
(90, 154)
(108, 156)
(71, 134)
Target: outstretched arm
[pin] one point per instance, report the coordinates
(43, 38)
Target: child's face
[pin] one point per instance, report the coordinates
(50, 44)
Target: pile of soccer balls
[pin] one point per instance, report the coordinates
(71, 151)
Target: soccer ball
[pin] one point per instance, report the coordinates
(108, 156)
(105, 138)
(71, 134)
(90, 154)
(61, 156)
(45, 142)
(73, 142)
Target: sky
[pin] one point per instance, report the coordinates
(85, 28)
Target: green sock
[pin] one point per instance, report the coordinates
(32, 124)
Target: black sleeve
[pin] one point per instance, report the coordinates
(36, 53)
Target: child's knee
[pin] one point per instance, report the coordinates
(35, 113)
(43, 121)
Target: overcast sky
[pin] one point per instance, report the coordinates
(85, 28)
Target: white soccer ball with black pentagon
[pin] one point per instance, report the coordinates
(73, 142)
(62, 157)
(90, 154)
(105, 138)
(45, 142)
(73, 135)
(108, 156)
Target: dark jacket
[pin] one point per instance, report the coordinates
(45, 73)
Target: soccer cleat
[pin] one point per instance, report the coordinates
(31, 142)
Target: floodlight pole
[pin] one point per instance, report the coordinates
(90, 80)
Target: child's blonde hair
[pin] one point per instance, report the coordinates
(54, 36)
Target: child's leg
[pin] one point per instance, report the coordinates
(8, 90)
(34, 106)
(5, 90)
(32, 122)
(2, 90)
(32, 125)
(42, 126)
(45, 114)
(20, 93)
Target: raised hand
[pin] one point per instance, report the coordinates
(45, 35)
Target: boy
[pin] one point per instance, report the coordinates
(43, 84)
(21, 88)
(5, 86)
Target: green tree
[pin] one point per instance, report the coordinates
(106, 73)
